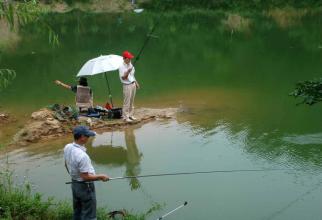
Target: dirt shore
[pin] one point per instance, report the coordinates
(93, 6)
(5, 119)
(43, 125)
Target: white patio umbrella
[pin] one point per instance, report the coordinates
(101, 64)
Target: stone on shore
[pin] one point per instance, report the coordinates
(5, 118)
(43, 124)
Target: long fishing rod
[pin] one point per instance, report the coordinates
(176, 209)
(188, 173)
(150, 34)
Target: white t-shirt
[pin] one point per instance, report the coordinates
(122, 70)
(77, 161)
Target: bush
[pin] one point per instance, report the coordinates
(18, 202)
(70, 2)
(310, 91)
(227, 4)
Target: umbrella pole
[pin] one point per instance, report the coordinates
(109, 89)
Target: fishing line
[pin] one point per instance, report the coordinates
(293, 202)
(190, 173)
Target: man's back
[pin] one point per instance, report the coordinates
(77, 161)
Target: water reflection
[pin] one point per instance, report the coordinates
(305, 139)
(133, 158)
(118, 149)
(285, 134)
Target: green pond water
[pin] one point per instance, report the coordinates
(232, 88)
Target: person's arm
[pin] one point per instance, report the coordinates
(66, 167)
(137, 84)
(127, 73)
(63, 84)
(84, 168)
(92, 177)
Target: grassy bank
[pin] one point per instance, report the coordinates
(119, 6)
(18, 201)
(229, 4)
(94, 6)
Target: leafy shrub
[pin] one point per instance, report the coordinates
(6, 76)
(18, 202)
(310, 91)
(228, 4)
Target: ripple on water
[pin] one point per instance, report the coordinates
(305, 139)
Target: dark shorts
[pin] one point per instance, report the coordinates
(84, 201)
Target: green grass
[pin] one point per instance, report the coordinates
(227, 4)
(19, 202)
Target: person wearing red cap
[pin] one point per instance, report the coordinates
(130, 85)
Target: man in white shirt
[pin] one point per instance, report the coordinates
(130, 85)
(82, 173)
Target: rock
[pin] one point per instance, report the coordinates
(42, 114)
(5, 118)
(85, 121)
(53, 123)
(43, 125)
(35, 130)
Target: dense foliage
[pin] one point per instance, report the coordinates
(18, 15)
(70, 2)
(6, 76)
(19, 202)
(310, 91)
(228, 4)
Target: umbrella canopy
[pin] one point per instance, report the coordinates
(101, 64)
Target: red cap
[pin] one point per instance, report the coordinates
(127, 54)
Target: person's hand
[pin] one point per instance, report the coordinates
(137, 85)
(57, 82)
(104, 177)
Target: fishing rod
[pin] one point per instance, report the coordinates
(188, 173)
(150, 34)
(176, 209)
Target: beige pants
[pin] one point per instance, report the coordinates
(128, 102)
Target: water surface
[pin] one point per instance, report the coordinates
(235, 113)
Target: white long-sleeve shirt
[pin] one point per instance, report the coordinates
(123, 69)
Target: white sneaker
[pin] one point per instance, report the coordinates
(132, 118)
(128, 120)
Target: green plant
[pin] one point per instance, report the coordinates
(6, 76)
(19, 14)
(227, 4)
(18, 201)
(310, 91)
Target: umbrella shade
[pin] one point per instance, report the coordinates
(100, 64)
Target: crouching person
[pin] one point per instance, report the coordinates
(82, 173)
(84, 94)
